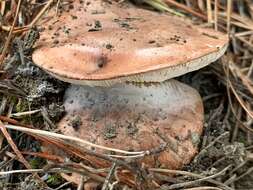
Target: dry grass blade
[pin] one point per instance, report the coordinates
(14, 147)
(185, 8)
(9, 88)
(204, 188)
(229, 11)
(244, 78)
(211, 144)
(3, 4)
(60, 136)
(239, 99)
(7, 43)
(108, 177)
(209, 12)
(190, 183)
(249, 171)
(161, 6)
(178, 172)
(216, 13)
(35, 20)
(228, 83)
(30, 171)
(47, 156)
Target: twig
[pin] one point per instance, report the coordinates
(79, 152)
(209, 11)
(185, 8)
(216, 13)
(109, 176)
(159, 5)
(63, 185)
(210, 145)
(250, 170)
(244, 78)
(236, 126)
(80, 171)
(46, 117)
(6, 45)
(3, 104)
(229, 11)
(4, 163)
(189, 183)
(226, 70)
(13, 146)
(3, 4)
(81, 184)
(238, 167)
(230, 180)
(35, 20)
(19, 114)
(60, 136)
(190, 175)
(204, 188)
(55, 170)
(57, 7)
(239, 99)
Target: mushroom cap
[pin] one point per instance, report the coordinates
(101, 43)
(135, 117)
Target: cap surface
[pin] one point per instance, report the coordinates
(137, 118)
(111, 42)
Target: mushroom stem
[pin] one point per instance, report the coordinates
(137, 117)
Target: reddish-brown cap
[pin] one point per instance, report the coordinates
(101, 42)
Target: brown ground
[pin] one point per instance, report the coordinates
(226, 145)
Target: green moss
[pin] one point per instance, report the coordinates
(22, 106)
(37, 163)
(54, 179)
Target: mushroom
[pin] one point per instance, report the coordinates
(119, 59)
(104, 43)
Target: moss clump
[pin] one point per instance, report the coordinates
(54, 180)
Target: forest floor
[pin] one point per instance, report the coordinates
(29, 97)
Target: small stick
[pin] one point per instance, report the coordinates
(60, 136)
(236, 126)
(35, 20)
(216, 13)
(46, 117)
(13, 146)
(240, 100)
(81, 184)
(209, 11)
(238, 167)
(190, 175)
(229, 10)
(57, 7)
(19, 114)
(109, 176)
(250, 170)
(55, 170)
(80, 171)
(185, 8)
(204, 188)
(3, 4)
(189, 183)
(5, 163)
(63, 185)
(210, 145)
(6, 45)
